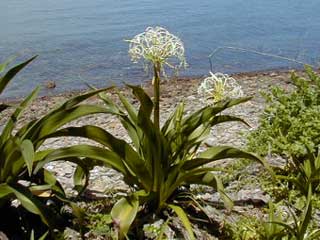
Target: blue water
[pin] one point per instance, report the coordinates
(82, 41)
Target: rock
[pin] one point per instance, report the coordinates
(254, 196)
(273, 74)
(50, 84)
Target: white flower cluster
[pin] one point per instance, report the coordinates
(218, 87)
(157, 45)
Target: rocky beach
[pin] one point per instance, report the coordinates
(173, 91)
(106, 182)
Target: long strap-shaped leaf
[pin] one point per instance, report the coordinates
(178, 177)
(221, 152)
(204, 115)
(184, 219)
(133, 114)
(65, 113)
(12, 72)
(136, 165)
(7, 131)
(27, 151)
(146, 104)
(173, 120)
(31, 203)
(11, 159)
(200, 133)
(123, 214)
(306, 216)
(81, 178)
(154, 143)
(104, 156)
(58, 119)
(5, 64)
(130, 122)
(209, 178)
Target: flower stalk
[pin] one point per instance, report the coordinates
(156, 91)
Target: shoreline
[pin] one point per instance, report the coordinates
(174, 90)
(147, 83)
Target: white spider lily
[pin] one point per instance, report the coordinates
(218, 87)
(158, 46)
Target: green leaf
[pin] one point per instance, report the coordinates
(78, 211)
(184, 219)
(7, 131)
(301, 185)
(27, 154)
(80, 179)
(103, 156)
(307, 168)
(133, 115)
(51, 180)
(5, 64)
(210, 179)
(130, 157)
(220, 152)
(226, 118)
(315, 234)
(286, 226)
(204, 115)
(80, 98)
(52, 122)
(12, 72)
(123, 214)
(152, 143)
(27, 201)
(32, 235)
(32, 204)
(146, 104)
(41, 190)
(174, 121)
(67, 112)
(10, 161)
(43, 237)
(307, 213)
(5, 190)
(162, 230)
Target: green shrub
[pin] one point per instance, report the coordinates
(289, 127)
(290, 124)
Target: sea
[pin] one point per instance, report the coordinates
(83, 42)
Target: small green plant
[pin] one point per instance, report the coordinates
(299, 204)
(160, 160)
(271, 229)
(99, 225)
(299, 228)
(306, 176)
(244, 228)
